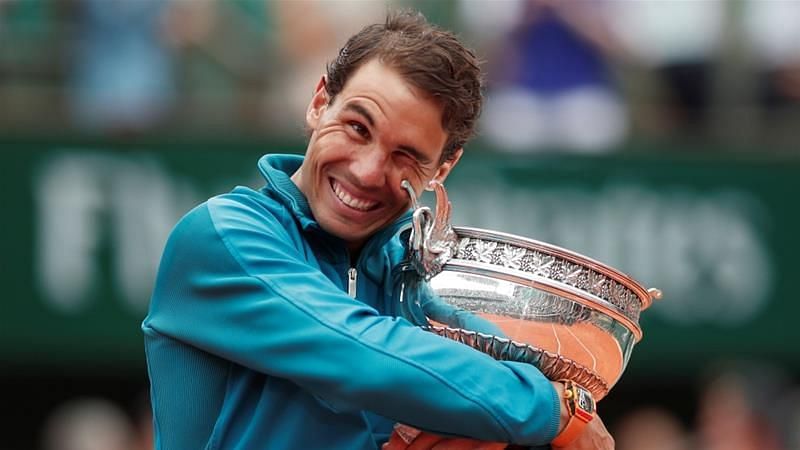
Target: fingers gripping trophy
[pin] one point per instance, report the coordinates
(514, 298)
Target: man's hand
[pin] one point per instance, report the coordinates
(594, 437)
(408, 438)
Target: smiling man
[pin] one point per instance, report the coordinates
(274, 319)
(379, 131)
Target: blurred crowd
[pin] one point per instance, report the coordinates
(97, 423)
(739, 406)
(579, 75)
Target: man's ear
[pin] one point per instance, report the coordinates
(444, 169)
(318, 104)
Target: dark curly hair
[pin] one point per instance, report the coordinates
(428, 58)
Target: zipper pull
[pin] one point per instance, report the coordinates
(352, 278)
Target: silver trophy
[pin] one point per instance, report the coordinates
(520, 299)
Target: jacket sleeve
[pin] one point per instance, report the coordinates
(232, 283)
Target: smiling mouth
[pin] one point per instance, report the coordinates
(348, 199)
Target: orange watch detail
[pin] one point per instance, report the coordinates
(580, 407)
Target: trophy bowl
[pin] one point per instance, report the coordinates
(524, 300)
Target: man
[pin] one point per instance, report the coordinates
(273, 320)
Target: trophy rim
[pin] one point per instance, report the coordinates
(645, 299)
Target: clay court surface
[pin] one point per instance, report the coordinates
(583, 342)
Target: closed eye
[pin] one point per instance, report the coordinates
(407, 157)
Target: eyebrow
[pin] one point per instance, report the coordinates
(362, 111)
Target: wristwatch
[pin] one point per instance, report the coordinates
(580, 407)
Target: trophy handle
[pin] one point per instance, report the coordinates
(652, 295)
(433, 241)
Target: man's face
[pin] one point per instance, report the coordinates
(378, 131)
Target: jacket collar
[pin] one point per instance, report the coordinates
(277, 170)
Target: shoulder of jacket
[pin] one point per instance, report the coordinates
(242, 210)
(233, 215)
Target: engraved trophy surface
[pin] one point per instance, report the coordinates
(520, 299)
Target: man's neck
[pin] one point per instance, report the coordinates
(354, 250)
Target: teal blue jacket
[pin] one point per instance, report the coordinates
(253, 342)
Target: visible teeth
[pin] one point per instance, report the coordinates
(347, 199)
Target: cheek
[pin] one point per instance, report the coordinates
(406, 171)
(330, 149)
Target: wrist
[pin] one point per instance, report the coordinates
(578, 406)
(563, 416)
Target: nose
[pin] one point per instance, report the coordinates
(370, 166)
